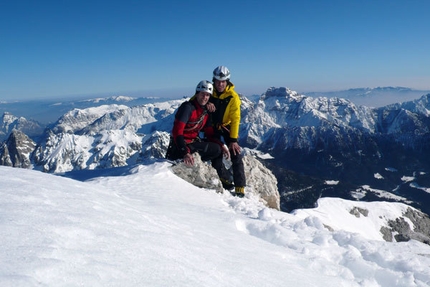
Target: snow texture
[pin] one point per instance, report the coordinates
(148, 227)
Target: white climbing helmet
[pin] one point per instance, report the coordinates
(205, 86)
(221, 73)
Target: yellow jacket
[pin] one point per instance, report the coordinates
(227, 110)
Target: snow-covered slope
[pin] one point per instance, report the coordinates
(148, 227)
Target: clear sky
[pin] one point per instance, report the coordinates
(164, 48)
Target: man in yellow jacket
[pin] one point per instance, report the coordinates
(226, 119)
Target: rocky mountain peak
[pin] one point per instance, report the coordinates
(17, 149)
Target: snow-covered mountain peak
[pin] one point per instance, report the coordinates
(420, 106)
(105, 136)
(77, 119)
(121, 98)
(273, 96)
(280, 107)
(374, 97)
(10, 122)
(280, 92)
(9, 118)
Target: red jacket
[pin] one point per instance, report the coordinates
(190, 120)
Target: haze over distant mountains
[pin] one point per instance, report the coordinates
(374, 97)
(49, 110)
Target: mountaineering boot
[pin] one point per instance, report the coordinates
(226, 184)
(239, 191)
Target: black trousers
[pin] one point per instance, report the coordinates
(211, 151)
(237, 163)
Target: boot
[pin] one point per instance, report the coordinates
(239, 191)
(226, 184)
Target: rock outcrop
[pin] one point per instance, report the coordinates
(260, 180)
(413, 225)
(17, 149)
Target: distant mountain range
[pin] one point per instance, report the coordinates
(49, 110)
(373, 97)
(318, 146)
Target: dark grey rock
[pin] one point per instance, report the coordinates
(357, 211)
(17, 150)
(401, 230)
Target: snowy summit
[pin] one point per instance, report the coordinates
(148, 227)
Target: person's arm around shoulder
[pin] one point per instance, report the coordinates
(210, 107)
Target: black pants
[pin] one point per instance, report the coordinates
(237, 164)
(211, 151)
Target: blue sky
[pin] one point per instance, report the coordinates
(164, 48)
